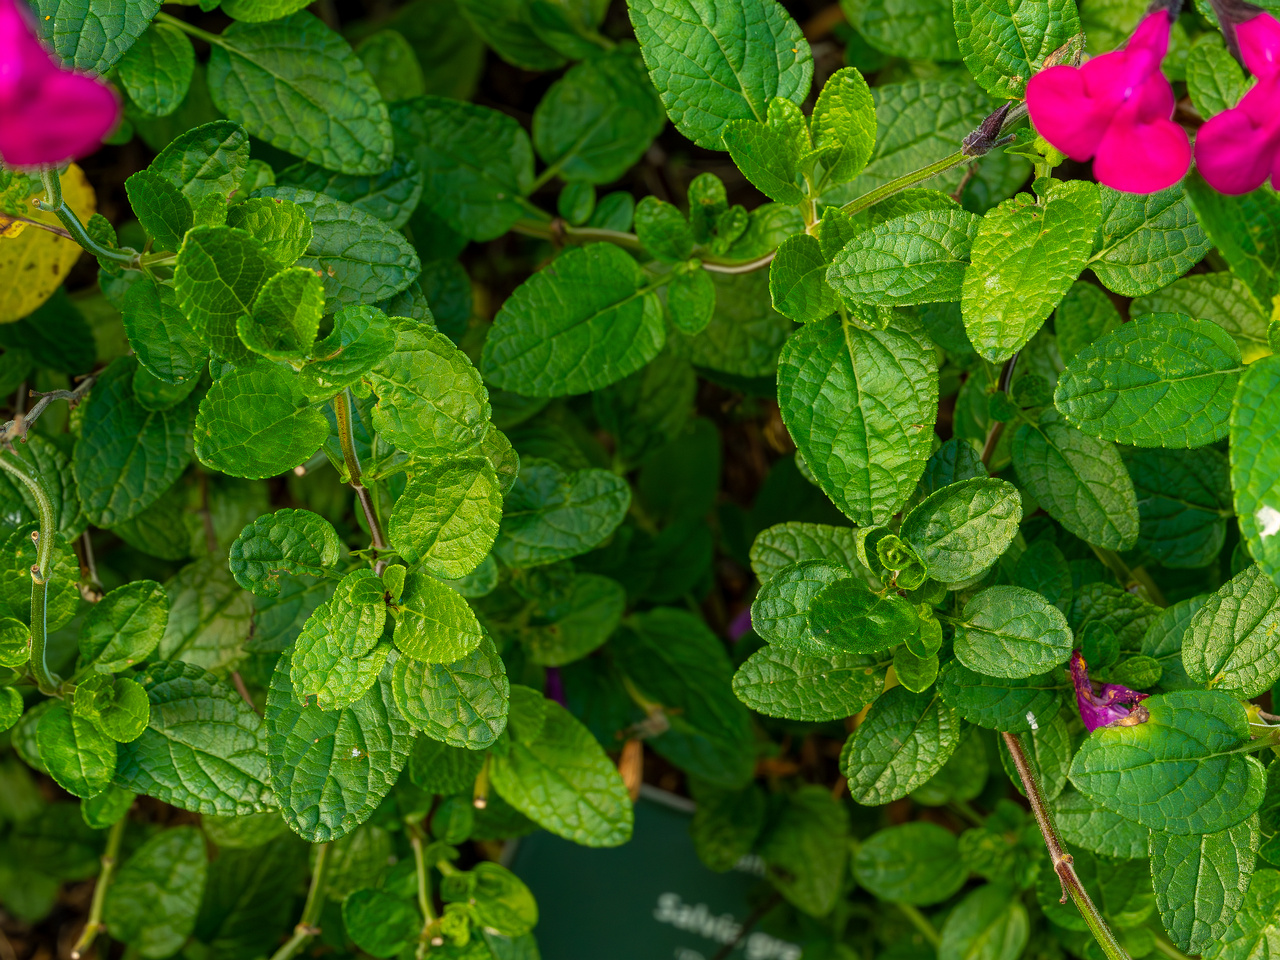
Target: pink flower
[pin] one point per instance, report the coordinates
(1238, 149)
(1116, 109)
(1113, 706)
(47, 114)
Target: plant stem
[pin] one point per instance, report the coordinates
(558, 230)
(1130, 578)
(1168, 949)
(94, 925)
(17, 428)
(997, 428)
(921, 923)
(872, 197)
(185, 27)
(40, 570)
(342, 413)
(1062, 864)
(429, 919)
(306, 928)
(53, 203)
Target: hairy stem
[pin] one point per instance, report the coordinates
(346, 439)
(110, 856)
(306, 928)
(1062, 864)
(921, 923)
(53, 203)
(560, 231)
(40, 570)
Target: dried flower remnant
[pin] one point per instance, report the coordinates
(1113, 705)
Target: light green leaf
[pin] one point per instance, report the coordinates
(1254, 933)
(848, 616)
(300, 87)
(559, 776)
(1246, 231)
(867, 462)
(783, 544)
(769, 153)
(447, 517)
(1160, 381)
(796, 684)
(1085, 824)
(79, 756)
(1012, 632)
(1200, 881)
(917, 29)
(203, 749)
(118, 708)
(1255, 462)
(916, 863)
(160, 207)
(988, 924)
(127, 456)
(360, 258)
(287, 541)
(918, 257)
(361, 339)
(379, 923)
(476, 163)
(798, 280)
(210, 617)
(1003, 42)
(391, 196)
(580, 324)
(286, 316)
(598, 119)
(160, 335)
(551, 514)
(1079, 480)
(843, 125)
(962, 529)
(1025, 257)
(337, 656)
(1145, 241)
(904, 740)
(719, 60)
(332, 769)
(780, 611)
(1001, 704)
(462, 704)
(283, 227)
(1215, 81)
(1179, 771)
(89, 35)
(153, 901)
(434, 623)
(255, 422)
(218, 275)
(1230, 643)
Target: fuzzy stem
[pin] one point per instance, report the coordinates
(346, 439)
(1062, 864)
(40, 570)
(53, 203)
(921, 923)
(110, 856)
(306, 928)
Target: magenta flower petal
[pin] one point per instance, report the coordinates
(1259, 40)
(1113, 705)
(48, 115)
(1066, 113)
(1142, 158)
(1234, 154)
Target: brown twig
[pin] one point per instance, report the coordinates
(16, 429)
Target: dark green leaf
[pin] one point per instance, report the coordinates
(904, 740)
(152, 902)
(962, 529)
(1012, 632)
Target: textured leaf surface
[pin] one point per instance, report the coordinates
(124, 627)
(447, 517)
(1184, 501)
(1254, 934)
(160, 334)
(786, 543)
(801, 685)
(1003, 42)
(914, 258)
(962, 529)
(1012, 632)
(1015, 705)
(847, 615)
(90, 35)
(391, 196)
(552, 515)
(331, 769)
(153, 901)
(798, 280)
(1244, 229)
(918, 29)
(1221, 297)
(1230, 644)
(79, 756)
(462, 704)
(203, 749)
(287, 541)
(916, 863)
(866, 455)
(1146, 241)
(1160, 381)
(337, 657)
(780, 610)
(435, 624)
(1255, 462)
(1085, 824)
(217, 277)
(1177, 771)
(904, 740)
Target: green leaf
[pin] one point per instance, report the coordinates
(300, 87)
(158, 395)
(1025, 257)
(675, 661)
(1145, 241)
(1200, 881)
(1183, 503)
(745, 332)
(1215, 81)
(768, 154)
(1085, 824)
(798, 280)
(1014, 705)
(209, 160)
(337, 657)
(1163, 380)
(287, 541)
(17, 556)
(805, 850)
(218, 275)
(160, 207)
(360, 340)
(447, 517)
(866, 463)
(434, 623)
(843, 125)
(156, 71)
(203, 749)
(580, 324)
(1252, 932)
(917, 863)
(1079, 480)
(255, 422)
(15, 645)
(1003, 42)
(1255, 462)
(159, 333)
(49, 460)
(783, 544)
(1012, 632)
(1179, 770)
(712, 64)
(476, 163)
(286, 316)
(559, 776)
(127, 456)
(990, 923)
(848, 616)
(1246, 231)
(210, 617)
(795, 684)
(962, 529)
(1230, 643)
(663, 230)
(918, 257)
(1221, 297)
(904, 740)
(258, 11)
(79, 757)
(568, 624)
(378, 922)
(918, 29)
(780, 611)
(431, 401)
(283, 227)
(725, 824)
(462, 704)
(437, 768)
(89, 35)
(153, 901)
(507, 27)
(332, 769)
(360, 258)
(598, 119)
(551, 514)
(1084, 315)
(118, 708)
(391, 196)
(500, 900)
(1122, 890)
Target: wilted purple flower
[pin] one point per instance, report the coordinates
(1113, 706)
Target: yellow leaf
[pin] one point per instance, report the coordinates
(35, 263)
